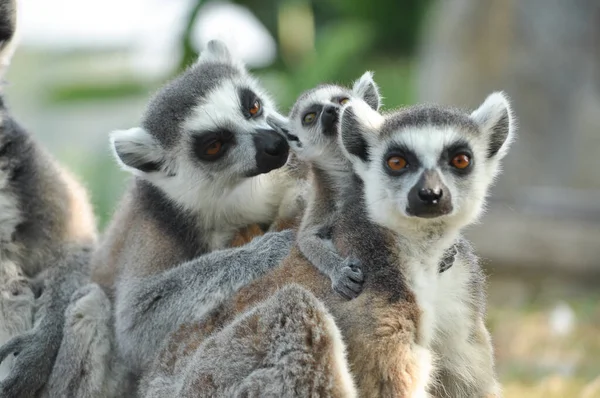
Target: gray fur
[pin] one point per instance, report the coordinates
(86, 365)
(149, 308)
(283, 347)
(428, 115)
(47, 231)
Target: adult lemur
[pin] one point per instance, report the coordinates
(204, 161)
(293, 314)
(412, 331)
(47, 232)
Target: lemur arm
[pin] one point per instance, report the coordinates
(315, 243)
(149, 308)
(37, 348)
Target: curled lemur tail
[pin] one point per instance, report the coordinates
(287, 346)
(86, 365)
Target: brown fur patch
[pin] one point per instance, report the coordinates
(379, 334)
(245, 235)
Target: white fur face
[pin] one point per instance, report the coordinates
(426, 166)
(313, 124)
(204, 133)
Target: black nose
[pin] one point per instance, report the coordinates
(329, 119)
(430, 195)
(271, 151)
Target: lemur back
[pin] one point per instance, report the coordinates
(47, 233)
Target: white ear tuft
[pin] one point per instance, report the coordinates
(216, 51)
(136, 151)
(497, 122)
(366, 88)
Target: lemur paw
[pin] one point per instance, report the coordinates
(35, 352)
(88, 302)
(348, 279)
(18, 288)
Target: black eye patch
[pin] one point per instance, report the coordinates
(204, 141)
(456, 149)
(248, 99)
(314, 108)
(412, 160)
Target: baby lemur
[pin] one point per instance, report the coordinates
(47, 233)
(412, 331)
(205, 164)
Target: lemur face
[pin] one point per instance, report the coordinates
(207, 125)
(427, 163)
(312, 127)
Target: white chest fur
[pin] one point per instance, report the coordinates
(444, 301)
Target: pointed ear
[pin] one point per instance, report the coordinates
(216, 51)
(137, 151)
(496, 120)
(8, 27)
(358, 133)
(367, 89)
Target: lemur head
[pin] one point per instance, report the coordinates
(312, 127)
(427, 165)
(204, 130)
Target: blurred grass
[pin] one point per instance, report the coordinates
(532, 359)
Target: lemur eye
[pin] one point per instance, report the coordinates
(344, 101)
(396, 163)
(214, 148)
(255, 108)
(309, 118)
(461, 161)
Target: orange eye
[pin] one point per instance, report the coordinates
(461, 161)
(214, 148)
(396, 163)
(255, 108)
(344, 101)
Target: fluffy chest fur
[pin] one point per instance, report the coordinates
(444, 299)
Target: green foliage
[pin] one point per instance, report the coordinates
(71, 92)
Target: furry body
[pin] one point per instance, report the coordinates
(411, 332)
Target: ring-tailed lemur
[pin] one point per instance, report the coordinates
(204, 161)
(47, 233)
(426, 172)
(314, 144)
(387, 329)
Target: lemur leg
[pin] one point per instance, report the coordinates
(87, 365)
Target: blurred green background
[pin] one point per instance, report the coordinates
(543, 309)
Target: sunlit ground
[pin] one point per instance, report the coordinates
(546, 331)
